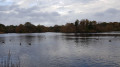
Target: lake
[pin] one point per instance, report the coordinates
(60, 50)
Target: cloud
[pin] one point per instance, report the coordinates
(83, 1)
(15, 14)
(2, 0)
(112, 11)
(110, 14)
(51, 12)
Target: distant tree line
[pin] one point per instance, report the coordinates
(82, 26)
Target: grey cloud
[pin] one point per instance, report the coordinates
(36, 14)
(108, 12)
(30, 12)
(4, 8)
(8, 8)
(43, 14)
(99, 14)
(2, 0)
(70, 12)
(25, 10)
(80, 1)
(84, 1)
(27, 14)
(112, 11)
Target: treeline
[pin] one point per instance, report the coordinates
(82, 26)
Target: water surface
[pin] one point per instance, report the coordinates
(61, 49)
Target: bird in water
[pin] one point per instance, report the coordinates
(109, 40)
(20, 43)
(29, 43)
(3, 42)
(97, 39)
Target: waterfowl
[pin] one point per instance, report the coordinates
(109, 40)
(20, 43)
(29, 43)
(97, 39)
(3, 42)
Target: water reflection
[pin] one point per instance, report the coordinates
(62, 50)
(92, 34)
(97, 47)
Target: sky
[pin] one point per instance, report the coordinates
(60, 12)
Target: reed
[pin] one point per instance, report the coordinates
(9, 61)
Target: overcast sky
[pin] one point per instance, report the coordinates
(51, 12)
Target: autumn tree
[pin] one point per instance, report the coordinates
(20, 29)
(56, 28)
(76, 25)
(29, 28)
(11, 29)
(83, 26)
(68, 28)
(2, 28)
(41, 28)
